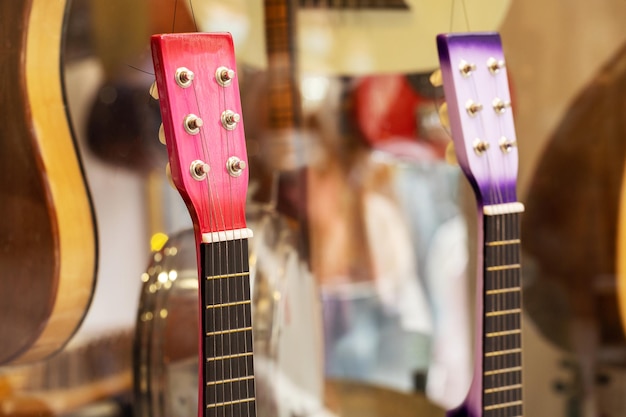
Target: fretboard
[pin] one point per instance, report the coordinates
(502, 332)
(228, 376)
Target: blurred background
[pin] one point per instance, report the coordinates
(364, 255)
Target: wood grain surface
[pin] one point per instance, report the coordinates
(47, 230)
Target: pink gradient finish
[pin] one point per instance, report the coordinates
(216, 203)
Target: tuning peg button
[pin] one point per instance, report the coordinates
(162, 135)
(168, 174)
(436, 79)
(235, 166)
(444, 118)
(199, 170)
(495, 65)
(466, 68)
(473, 108)
(224, 76)
(450, 154)
(154, 91)
(230, 119)
(193, 124)
(184, 77)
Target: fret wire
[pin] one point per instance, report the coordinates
(234, 356)
(502, 405)
(234, 303)
(504, 333)
(229, 331)
(503, 242)
(502, 267)
(502, 371)
(503, 290)
(504, 388)
(503, 352)
(235, 275)
(503, 312)
(227, 381)
(222, 404)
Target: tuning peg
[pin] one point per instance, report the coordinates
(230, 119)
(495, 65)
(168, 174)
(450, 154)
(436, 79)
(224, 76)
(154, 91)
(444, 118)
(162, 135)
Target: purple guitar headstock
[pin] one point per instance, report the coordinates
(479, 107)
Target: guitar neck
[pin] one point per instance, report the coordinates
(284, 99)
(228, 374)
(502, 301)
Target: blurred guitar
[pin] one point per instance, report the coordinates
(85, 374)
(199, 100)
(47, 230)
(477, 95)
(574, 237)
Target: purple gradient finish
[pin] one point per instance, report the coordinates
(463, 411)
(493, 174)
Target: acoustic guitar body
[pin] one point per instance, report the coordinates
(575, 212)
(47, 230)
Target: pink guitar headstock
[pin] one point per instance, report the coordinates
(201, 111)
(479, 108)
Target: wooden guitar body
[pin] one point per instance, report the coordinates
(571, 228)
(47, 236)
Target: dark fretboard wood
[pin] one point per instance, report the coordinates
(228, 376)
(502, 331)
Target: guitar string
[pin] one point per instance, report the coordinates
(511, 226)
(495, 278)
(212, 218)
(467, 25)
(240, 322)
(226, 136)
(489, 301)
(202, 287)
(174, 18)
(500, 234)
(193, 15)
(511, 231)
